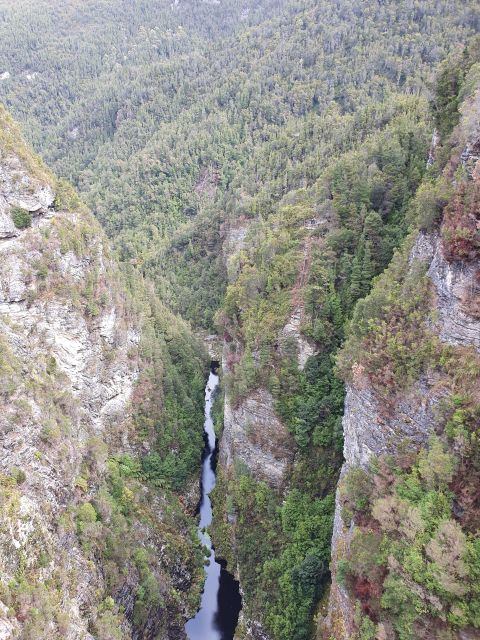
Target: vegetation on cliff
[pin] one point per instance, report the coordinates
(89, 511)
(168, 117)
(413, 562)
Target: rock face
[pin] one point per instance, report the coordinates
(69, 366)
(19, 188)
(370, 430)
(233, 242)
(457, 286)
(255, 437)
(39, 323)
(291, 332)
(64, 390)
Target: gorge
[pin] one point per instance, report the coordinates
(253, 259)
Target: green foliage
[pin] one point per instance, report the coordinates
(179, 126)
(66, 197)
(19, 475)
(166, 119)
(51, 367)
(388, 335)
(436, 467)
(112, 528)
(22, 218)
(403, 604)
(367, 629)
(343, 569)
(412, 538)
(169, 396)
(450, 89)
(108, 624)
(148, 591)
(427, 207)
(413, 555)
(86, 513)
(356, 487)
(284, 585)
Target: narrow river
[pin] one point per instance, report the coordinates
(221, 601)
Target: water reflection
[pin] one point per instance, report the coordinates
(221, 601)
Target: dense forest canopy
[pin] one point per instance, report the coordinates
(164, 114)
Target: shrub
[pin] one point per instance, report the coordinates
(22, 218)
(367, 629)
(86, 513)
(402, 602)
(460, 233)
(66, 197)
(343, 569)
(435, 466)
(51, 366)
(357, 486)
(429, 202)
(18, 475)
(364, 553)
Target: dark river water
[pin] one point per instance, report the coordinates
(221, 602)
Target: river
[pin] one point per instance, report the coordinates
(221, 602)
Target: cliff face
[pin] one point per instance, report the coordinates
(86, 551)
(253, 435)
(377, 425)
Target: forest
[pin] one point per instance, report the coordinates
(308, 123)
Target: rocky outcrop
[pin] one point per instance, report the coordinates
(255, 437)
(291, 333)
(60, 388)
(234, 240)
(373, 427)
(21, 188)
(457, 286)
(370, 428)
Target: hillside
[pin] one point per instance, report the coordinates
(170, 117)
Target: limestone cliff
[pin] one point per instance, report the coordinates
(86, 549)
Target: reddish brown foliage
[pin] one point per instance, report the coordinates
(461, 223)
(369, 592)
(465, 487)
(362, 589)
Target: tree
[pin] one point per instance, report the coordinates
(436, 466)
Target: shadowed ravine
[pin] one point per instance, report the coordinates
(221, 601)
